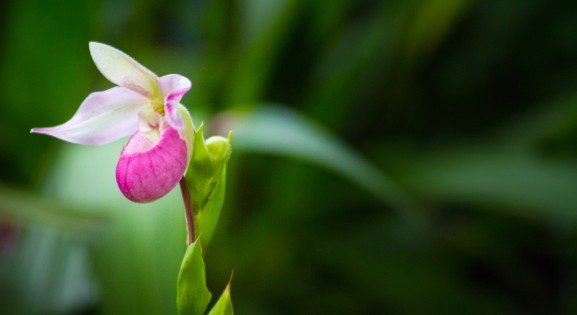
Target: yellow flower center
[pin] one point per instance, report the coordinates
(158, 105)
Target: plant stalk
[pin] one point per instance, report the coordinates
(188, 210)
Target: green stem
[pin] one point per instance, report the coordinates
(188, 210)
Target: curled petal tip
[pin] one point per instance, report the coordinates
(45, 131)
(174, 86)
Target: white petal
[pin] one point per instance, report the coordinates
(123, 70)
(102, 118)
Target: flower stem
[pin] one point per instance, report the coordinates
(188, 210)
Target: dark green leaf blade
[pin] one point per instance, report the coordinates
(281, 131)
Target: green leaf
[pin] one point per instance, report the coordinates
(205, 178)
(431, 22)
(23, 208)
(500, 179)
(251, 74)
(224, 304)
(206, 219)
(192, 295)
(278, 130)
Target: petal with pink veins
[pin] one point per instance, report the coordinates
(146, 170)
(172, 115)
(173, 87)
(103, 117)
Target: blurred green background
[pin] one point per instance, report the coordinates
(389, 157)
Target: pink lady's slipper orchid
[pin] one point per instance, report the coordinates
(142, 105)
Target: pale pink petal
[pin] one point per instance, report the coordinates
(147, 171)
(123, 70)
(172, 115)
(103, 117)
(173, 87)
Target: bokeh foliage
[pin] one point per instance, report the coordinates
(420, 156)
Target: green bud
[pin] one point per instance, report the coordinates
(205, 177)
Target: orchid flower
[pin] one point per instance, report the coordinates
(142, 105)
